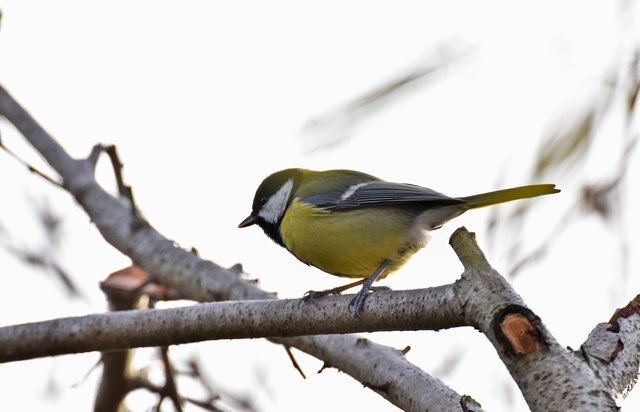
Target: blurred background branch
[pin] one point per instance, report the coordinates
(336, 126)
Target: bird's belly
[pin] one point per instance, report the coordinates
(350, 243)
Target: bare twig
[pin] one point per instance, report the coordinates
(170, 386)
(294, 362)
(32, 169)
(124, 189)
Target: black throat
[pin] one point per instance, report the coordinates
(272, 230)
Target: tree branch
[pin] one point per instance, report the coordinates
(433, 308)
(203, 280)
(550, 376)
(612, 349)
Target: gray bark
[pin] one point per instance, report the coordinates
(550, 376)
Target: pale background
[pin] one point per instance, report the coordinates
(204, 99)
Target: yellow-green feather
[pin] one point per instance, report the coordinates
(349, 243)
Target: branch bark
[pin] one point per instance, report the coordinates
(114, 383)
(550, 376)
(202, 280)
(433, 308)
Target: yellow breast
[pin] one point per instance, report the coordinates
(350, 243)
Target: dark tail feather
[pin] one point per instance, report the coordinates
(507, 195)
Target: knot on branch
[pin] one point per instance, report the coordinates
(518, 330)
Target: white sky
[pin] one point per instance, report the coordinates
(205, 99)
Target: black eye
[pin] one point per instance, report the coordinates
(263, 200)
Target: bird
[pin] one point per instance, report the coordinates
(351, 224)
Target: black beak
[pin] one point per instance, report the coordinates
(248, 221)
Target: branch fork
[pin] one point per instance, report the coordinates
(550, 376)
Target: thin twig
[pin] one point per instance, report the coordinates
(32, 169)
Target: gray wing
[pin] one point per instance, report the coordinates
(381, 193)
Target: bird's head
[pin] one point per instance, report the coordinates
(271, 200)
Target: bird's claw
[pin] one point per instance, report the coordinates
(315, 294)
(357, 303)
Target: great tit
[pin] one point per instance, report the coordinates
(352, 224)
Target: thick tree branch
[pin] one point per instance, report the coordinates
(550, 376)
(199, 279)
(433, 308)
(612, 348)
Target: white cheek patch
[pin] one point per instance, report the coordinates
(273, 210)
(350, 191)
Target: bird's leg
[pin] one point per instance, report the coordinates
(313, 294)
(358, 301)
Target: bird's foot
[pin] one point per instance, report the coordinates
(357, 303)
(315, 294)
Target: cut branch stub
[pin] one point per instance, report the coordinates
(518, 330)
